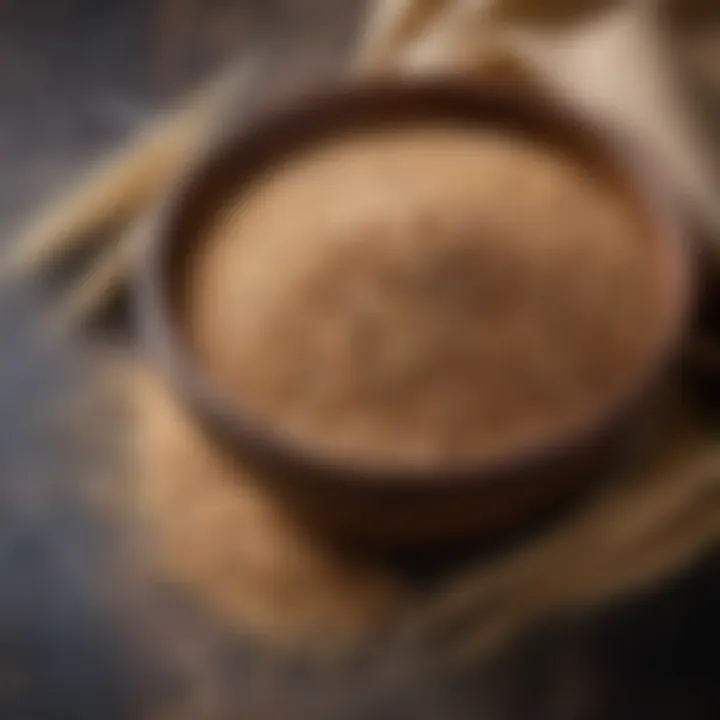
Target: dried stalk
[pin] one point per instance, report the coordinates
(393, 24)
(98, 288)
(125, 185)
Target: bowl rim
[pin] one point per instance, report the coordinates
(264, 448)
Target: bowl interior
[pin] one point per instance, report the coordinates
(242, 154)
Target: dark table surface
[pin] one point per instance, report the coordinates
(77, 77)
(80, 636)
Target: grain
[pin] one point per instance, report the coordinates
(423, 295)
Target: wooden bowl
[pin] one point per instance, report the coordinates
(392, 508)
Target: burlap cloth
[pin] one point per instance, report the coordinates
(223, 541)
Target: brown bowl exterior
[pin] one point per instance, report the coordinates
(394, 507)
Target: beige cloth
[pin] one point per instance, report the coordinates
(609, 58)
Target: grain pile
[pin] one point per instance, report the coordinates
(217, 534)
(423, 295)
